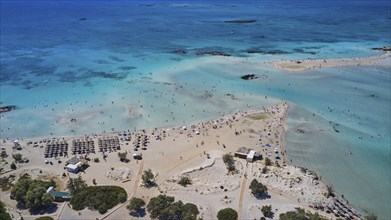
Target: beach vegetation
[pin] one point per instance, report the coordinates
(44, 218)
(32, 193)
(268, 162)
(330, 191)
(6, 182)
(101, 198)
(267, 211)
(371, 216)
(229, 162)
(227, 214)
(300, 214)
(75, 185)
(13, 166)
(148, 178)
(164, 207)
(136, 206)
(4, 215)
(123, 156)
(3, 154)
(265, 170)
(96, 160)
(258, 189)
(184, 181)
(17, 157)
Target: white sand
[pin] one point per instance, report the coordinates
(173, 152)
(310, 64)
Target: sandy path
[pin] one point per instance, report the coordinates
(242, 192)
(133, 192)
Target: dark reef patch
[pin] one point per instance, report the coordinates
(127, 68)
(263, 51)
(384, 48)
(114, 58)
(100, 61)
(249, 77)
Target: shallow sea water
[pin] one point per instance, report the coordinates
(118, 70)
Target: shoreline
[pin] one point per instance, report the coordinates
(299, 66)
(179, 150)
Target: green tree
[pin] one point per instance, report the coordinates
(267, 211)
(190, 212)
(123, 156)
(292, 215)
(268, 162)
(257, 188)
(227, 214)
(148, 177)
(371, 216)
(229, 161)
(101, 198)
(32, 193)
(3, 154)
(17, 157)
(184, 181)
(135, 205)
(173, 211)
(76, 184)
(157, 204)
(37, 198)
(13, 166)
(3, 213)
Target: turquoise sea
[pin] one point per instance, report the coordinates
(118, 65)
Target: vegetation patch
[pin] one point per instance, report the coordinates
(301, 214)
(227, 214)
(44, 218)
(136, 207)
(259, 116)
(164, 207)
(6, 182)
(32, 193)
(3, 213)
(101, 198)
(258, 189)
(184, 181)
(229, 162)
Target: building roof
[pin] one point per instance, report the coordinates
(251, 154)
(71, 166)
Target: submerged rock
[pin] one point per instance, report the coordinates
(241, 21)
(179, 51)
(249, 77)
(384, 48)
(213, 53)
(7, 108)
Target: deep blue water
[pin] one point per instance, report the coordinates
(145, 57)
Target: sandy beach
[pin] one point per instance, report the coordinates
(195, 151)
(298, 66)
